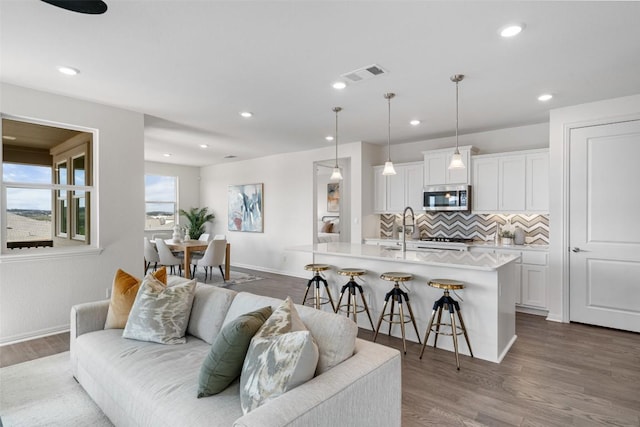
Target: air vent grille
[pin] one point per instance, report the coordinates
(364, 73)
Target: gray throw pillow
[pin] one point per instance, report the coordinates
(160, 313)
(223, 363)
(282, 355)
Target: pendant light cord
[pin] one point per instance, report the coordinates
(337, 110)
(388, 96)
(457, 117)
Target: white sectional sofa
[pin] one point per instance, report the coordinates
(148, 384)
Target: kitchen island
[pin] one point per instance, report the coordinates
(487, 302)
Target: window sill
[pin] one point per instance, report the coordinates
(47, 253)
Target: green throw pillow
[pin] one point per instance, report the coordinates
(224, 362)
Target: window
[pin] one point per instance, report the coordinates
(46, 186)
(161, 202)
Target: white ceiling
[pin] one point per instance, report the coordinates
(192, 66)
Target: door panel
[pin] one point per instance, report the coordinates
(604, 230)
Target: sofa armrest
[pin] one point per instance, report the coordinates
(85, 318)
(364, 390)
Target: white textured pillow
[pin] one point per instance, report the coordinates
(160, 313)
(282, 355)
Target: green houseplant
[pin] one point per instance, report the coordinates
(197, 217)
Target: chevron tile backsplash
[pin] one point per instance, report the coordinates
(469, 226)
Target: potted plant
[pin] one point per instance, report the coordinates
(506, 236)
(196, 218)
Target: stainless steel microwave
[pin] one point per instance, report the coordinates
(447, 198)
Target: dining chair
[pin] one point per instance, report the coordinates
(167, 258)
(220, 237)
(214, 255)
(204, 237)
(150, 256)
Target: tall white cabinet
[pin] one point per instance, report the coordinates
(395, 192)
(436, 166)
(511, 182)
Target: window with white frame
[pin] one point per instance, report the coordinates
(161, 202)
(47, 186)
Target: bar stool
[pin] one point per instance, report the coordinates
(397, 295)
(351, 287)
(317, 278)
(448, 303)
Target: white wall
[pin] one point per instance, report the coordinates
(561, 121)
(36, 295)
(288, 206)
(188, 185)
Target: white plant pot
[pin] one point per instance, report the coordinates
(507, 241)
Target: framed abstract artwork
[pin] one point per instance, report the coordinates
(246, 208)
(333, 197)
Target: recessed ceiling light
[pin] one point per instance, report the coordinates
(69, 71)
(204, 146)
(414, 122)
(545, 97)
(339, 85)
(246, 114)
(9, 138)
(511, 30)
(167, 154)
(328, 138)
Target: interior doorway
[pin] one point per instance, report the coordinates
(604, 236)
(331, 202)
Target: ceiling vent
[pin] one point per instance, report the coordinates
(364, 73)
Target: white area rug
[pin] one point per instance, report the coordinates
(43, 392)
(235, 278)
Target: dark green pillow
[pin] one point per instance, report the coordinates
(224, 362)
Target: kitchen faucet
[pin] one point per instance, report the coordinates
(404, 226)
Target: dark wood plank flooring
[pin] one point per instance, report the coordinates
(555, 375)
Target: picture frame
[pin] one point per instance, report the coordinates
(246, 208)
(333, 197)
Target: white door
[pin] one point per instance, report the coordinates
(605, 225)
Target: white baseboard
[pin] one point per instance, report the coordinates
(14, 339)
(270, 270)
(531, 310)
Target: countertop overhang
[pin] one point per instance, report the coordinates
(441, 258)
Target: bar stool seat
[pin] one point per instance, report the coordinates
(317, 300)
(399, 296)
(351, 287)
(448, 303)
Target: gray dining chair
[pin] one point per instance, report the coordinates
(150, 256)
(167, 258)
(213, 256)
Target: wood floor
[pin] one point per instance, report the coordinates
(555, 375)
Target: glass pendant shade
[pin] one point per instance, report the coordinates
(388, 168)
(456, 161)
(336, 175)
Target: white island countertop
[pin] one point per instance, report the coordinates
(441, 258)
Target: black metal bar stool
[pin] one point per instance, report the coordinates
(351, 287)
(447, 303)
(397, 295)
(317, 278)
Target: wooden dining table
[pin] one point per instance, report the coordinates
(188, 246)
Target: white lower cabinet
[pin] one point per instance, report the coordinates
(530, 276)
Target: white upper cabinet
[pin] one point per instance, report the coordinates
(511, 182)
(395, 192)
(436, 166)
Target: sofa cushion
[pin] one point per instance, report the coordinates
(335, 335)
(282, 355)
(123, 294)
(160, 313)
(210, 305)
(223, 363)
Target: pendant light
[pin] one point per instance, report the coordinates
(336, 175)
(456, 159)
(388, 166)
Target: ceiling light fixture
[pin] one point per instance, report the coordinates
(511, 30)
(545, 97)
(204, 146)
(339, 85)
(68, 71)
(456, 158)
(388, 166)
(336, 175)
(329, 138)
(246, 114)
(167, 154)
(414, 122)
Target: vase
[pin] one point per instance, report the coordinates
(507, 241)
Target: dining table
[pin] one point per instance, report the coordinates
(190, 246)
